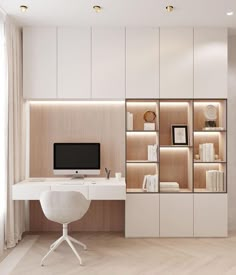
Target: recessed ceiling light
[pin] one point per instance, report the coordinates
(169, 8)
(229, 13)
(97, 8)
(23, 8)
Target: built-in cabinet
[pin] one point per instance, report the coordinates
(40, 63)
(118, 63)
(142, 62)
(74, 63)
(210, 62)
(189, 176)
(176, 62)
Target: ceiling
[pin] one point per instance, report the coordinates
(122, 12)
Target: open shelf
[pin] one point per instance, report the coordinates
(138, 109)
(217, 138)
(199, 118)
(176, 166)
(176, 163)
(177, 112)
(135, 173)
(200, 170)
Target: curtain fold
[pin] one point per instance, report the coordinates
(15, 216)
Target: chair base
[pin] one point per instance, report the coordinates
(69, 240)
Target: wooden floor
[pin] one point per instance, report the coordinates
(111, 254)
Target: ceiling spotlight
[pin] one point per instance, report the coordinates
(97, 8)
(229, 13)
(23, 8)
(169, 8)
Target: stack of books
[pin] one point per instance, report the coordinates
(130, 121)
(207, 152)
(152, 152)
(215, 181)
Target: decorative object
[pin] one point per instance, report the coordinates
(149, 126)
(152, 152)
(149, 116)
(216, 157)
(210, 114)
(118, 176)
(150, 183)
(179, 134)
(108, 172)
(197, 157)
(130, 121)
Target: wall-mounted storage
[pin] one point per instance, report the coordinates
(210, 62)
(197, 165)
(176, 63)
(74, 63)
(142, 62)
(108, 63)
(39, 63)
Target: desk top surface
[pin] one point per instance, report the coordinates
(72, 181)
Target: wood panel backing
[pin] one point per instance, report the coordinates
(200, 173)
(78, 122)
(136, 173)
(138, 110)
(137, 145)
(173, 114)
(174, 164)
(217, 138)
(199, 118)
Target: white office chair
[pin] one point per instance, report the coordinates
(64, 207)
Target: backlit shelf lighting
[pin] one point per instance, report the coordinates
(76, 102)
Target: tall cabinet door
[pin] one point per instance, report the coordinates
(176, 62)
(142, 215)
(74, 63)
(210, 215)
(210, 63)
(108, 63)
(176, 215)
(142, 63)
(39, 63)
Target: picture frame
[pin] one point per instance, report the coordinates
(179, 134)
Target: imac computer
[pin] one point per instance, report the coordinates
(76, 159)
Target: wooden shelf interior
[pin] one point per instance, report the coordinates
(200, 174)
(174, 113)
(176, 166)
(217, 138)
(138, 109)
(199, 118)
(136, 172)
(137, 145)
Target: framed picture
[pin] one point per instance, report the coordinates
(179, 134)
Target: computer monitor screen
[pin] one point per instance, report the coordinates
(76, 158)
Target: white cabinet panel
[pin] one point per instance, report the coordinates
(105, 192)
(74, 63)
(176, 215)
(39, 62)
(210, 215)
(176, 62)
(84, 189)
(29, 191)
(210, 63)
(142, 63)
(142, 215)
(108, 63)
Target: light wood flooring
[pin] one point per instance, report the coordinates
(111, 254)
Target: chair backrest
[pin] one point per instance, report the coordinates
(64, 206)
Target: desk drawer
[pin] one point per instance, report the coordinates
(103, 192)
(73, 187)
(28, 192)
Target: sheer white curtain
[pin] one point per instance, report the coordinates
(15, 216)
(3, 133)
(12, 134)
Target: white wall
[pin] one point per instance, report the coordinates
(232, 133)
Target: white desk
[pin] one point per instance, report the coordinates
(91, 188)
